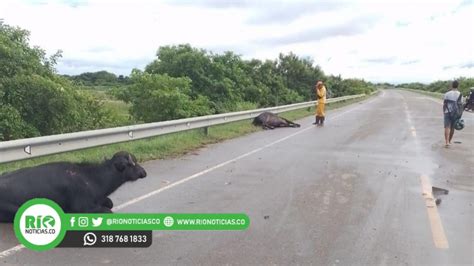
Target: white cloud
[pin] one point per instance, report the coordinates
(385, 41)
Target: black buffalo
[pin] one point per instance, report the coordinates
(76, 187)
(271, 121)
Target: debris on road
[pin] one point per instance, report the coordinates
(438, 190)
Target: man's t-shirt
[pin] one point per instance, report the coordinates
(451, 97)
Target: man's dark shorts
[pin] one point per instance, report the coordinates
(448, 121)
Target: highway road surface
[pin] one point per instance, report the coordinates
(350, 193)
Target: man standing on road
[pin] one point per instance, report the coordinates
(321, 96)
(450, 106)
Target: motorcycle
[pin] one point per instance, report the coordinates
(469, 106)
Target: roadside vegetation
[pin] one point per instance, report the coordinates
(182, 81)
(441, 86)
(165, 146)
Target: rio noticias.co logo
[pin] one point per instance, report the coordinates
(41, 224)
(38, 224)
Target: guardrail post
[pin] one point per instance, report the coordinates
(206, 131)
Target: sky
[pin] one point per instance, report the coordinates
(379, 41)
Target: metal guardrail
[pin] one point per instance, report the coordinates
(33, 147)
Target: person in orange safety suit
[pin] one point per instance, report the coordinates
(321, 97)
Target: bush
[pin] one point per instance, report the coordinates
(33, 99)
(156, 97)
(12, 126)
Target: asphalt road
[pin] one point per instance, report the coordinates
(350, 193)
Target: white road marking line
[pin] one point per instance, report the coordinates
(18, 248)
(138, 199)
(11, 251)
(135, 200)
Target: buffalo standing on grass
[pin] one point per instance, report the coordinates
(76, 187)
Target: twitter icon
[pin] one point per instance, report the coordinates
(96, 222)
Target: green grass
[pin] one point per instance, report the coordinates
(98, 94)
(165, 146)
(118, 108)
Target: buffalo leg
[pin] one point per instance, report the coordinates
(265, 126)
(290, 123)
(107, 202)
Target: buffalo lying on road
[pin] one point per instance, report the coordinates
(76, 187)
(271, 121)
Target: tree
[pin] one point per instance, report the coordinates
(33, 99)
(184, 61)
(441, 86)
(340, 87)
(271, 85)
(156, 97)
(299, 74)
(17, 57)
(12, 125)
(99, 78)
